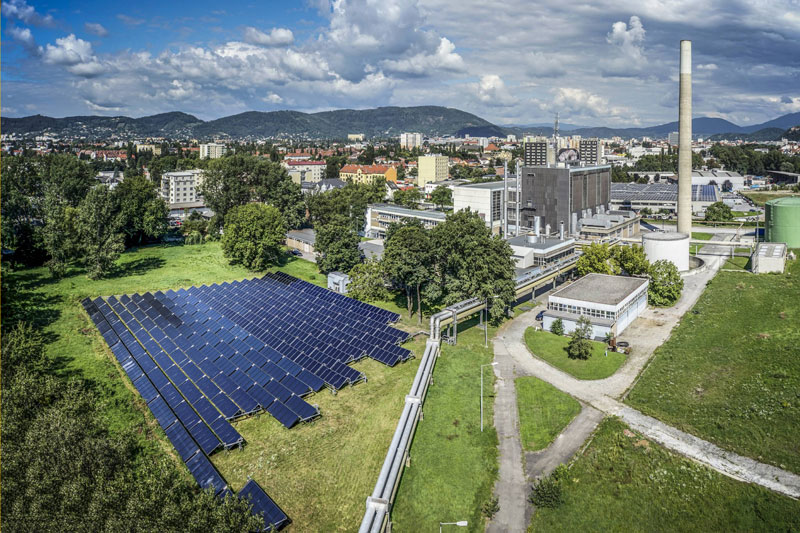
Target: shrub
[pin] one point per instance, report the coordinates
(546, 492)
(557, 327)
(491, 508)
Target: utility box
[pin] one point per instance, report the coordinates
(337, 282)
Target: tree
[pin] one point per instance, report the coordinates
(100, 231)
(579, 346)
(253, 236)
(665, 285)
(596, 258)
(631, 260)
(60, 234)
(367, 282)
(337, 246)
(718, 212)
(408, 197)
(143, 213)
(471, 262)
(442, 196)
(333, 164)
(557, 327)
(407, 259)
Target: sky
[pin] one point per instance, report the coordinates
(608, 62)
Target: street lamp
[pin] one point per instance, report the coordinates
(460, 523)
(489, 364)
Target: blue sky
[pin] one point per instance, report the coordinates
(609, 62)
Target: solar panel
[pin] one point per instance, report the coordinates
(274, 517)
(205, 474)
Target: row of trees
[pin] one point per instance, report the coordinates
(54, 212)
(456, 260)
(665, 285)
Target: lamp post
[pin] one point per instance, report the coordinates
(460, 523)
(489, 364)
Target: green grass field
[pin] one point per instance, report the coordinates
(761, 198)
(701, 236)
(320, 473)
(544, 411)
(552, 348)
(453, 465)
(736, 263)
(623, 482)
(730, 372)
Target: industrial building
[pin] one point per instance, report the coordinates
(302, 240)
(563, 194)
(380, 216)
(530, 250)
(610, 303)
(768, 257)
(609, 225)
(660, 197)
(486, 199)
(783, 221)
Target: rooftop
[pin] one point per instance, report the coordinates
(389, 208)
(493, 185)
(303, 235)
(771, 249)
(601, 288)
(542, 243)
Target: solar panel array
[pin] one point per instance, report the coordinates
(659, 192)
(203, 356)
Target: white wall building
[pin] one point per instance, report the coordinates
(610, 303)
(313, 171)
(409, 141)
(212, 150)
(181, 187)
(486, 199)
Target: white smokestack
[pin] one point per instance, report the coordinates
(685, 141)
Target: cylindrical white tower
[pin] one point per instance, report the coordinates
(685, 141)
(673, 247)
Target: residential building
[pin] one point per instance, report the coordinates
(591, 151)
(155, 148)
(367, 173)
(450, 184)
(432, 168)
(302, 239)
(110, 178)
(409, 141)
(212, 150)
(672, 138)
(312, 171)
(182, 186)
(563, 194)
(538, 151)
(610, 303)
(486, 199)
(380, 216)
(356, 137)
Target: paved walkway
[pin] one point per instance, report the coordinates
(647, 333)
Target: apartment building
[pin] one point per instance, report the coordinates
(181, 187)
(432, 168)
(212, 150)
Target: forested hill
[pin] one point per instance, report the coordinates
(382, 122)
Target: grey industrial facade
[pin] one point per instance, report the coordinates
(563, 194)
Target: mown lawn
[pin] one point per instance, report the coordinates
(544, 411)
(761, 198)
(453, 465)
(320, 473)
(730, 372)
(701, 236)
(623, 482)
(552, 348)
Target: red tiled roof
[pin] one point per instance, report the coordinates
(365, 169)
(290, 163)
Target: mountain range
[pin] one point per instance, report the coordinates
(382, 122)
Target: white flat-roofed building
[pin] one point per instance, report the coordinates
(768, 257)
(381, 216)
(182, 186)
(409, 141)
(532, 251)
(212, 150)
(486, 199)
(313, 171)
(610, 303)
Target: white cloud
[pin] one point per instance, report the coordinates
(584, 103)
(547, 66)
(25, 38)
(69, 50)
(96, 29)
(21, 11)
(130, 21)
(628, 40)
(273, 98)
(276, 36)
(707, 66)
(492, 91)
(423, 63)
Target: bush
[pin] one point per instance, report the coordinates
(546, 492)
(193, 238)
(491, 508)
(557, 327)
(579, 346)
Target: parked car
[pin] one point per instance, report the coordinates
(623, 344)
(540, 316)
(295, 252)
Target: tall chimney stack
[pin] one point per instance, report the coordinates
(685, 141)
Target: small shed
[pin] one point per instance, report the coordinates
(337, 282)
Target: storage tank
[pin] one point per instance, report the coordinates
(783, 221)
(673, 247)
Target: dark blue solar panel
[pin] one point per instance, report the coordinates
(186, 414)
(278, 390)
(158, 378)
(283, 414)
(226, 406)
(301, 407)
(314, 382)
(205, 473)
(263, 398)
(145, 388)
(263, 505)
(204, 437)
(229, 436)
(183, 443)
(162, 412)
